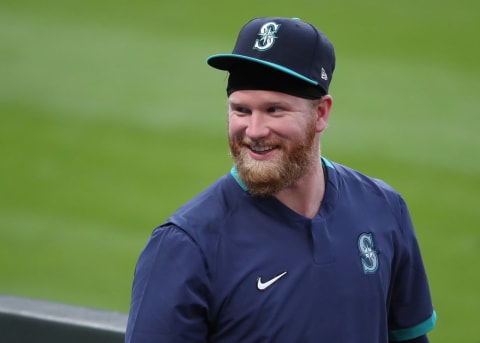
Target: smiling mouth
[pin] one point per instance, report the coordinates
(262, 149)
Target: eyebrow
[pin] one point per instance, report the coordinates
(273, 103)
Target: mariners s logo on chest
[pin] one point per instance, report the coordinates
(368, 254)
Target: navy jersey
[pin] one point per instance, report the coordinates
(230, 267)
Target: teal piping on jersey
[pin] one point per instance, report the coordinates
(415, 331)
(327, 163)
(234, 173)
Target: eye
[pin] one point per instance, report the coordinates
(240, 110)
(275, 110)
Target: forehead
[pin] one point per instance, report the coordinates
(264, 97)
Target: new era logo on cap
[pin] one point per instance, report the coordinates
(290, 46)
(324, 75)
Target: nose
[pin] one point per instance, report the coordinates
(257, 126)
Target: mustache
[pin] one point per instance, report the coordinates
(244, 140)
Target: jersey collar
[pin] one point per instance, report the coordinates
(331, 186)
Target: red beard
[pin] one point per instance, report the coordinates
(268, 177)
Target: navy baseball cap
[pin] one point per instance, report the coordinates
(287, 46)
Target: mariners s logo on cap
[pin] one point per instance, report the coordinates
(267, 36)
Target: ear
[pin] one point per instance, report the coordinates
(323, 108)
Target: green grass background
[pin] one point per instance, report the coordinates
(110, 119)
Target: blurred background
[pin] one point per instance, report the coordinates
(110, 119)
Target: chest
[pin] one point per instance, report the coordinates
(302, 277)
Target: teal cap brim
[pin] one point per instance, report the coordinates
(227, 61)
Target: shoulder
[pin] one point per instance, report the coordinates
(360, 187)
(218, 199)
(353, 177)
(204, 214)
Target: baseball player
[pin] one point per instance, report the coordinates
(288, 246)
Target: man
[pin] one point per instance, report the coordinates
(288, 246)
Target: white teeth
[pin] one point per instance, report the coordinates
(261, 148)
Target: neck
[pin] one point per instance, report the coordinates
(306, 195)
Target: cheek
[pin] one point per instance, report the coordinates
(236, 127)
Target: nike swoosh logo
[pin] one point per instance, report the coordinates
(261, 286)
